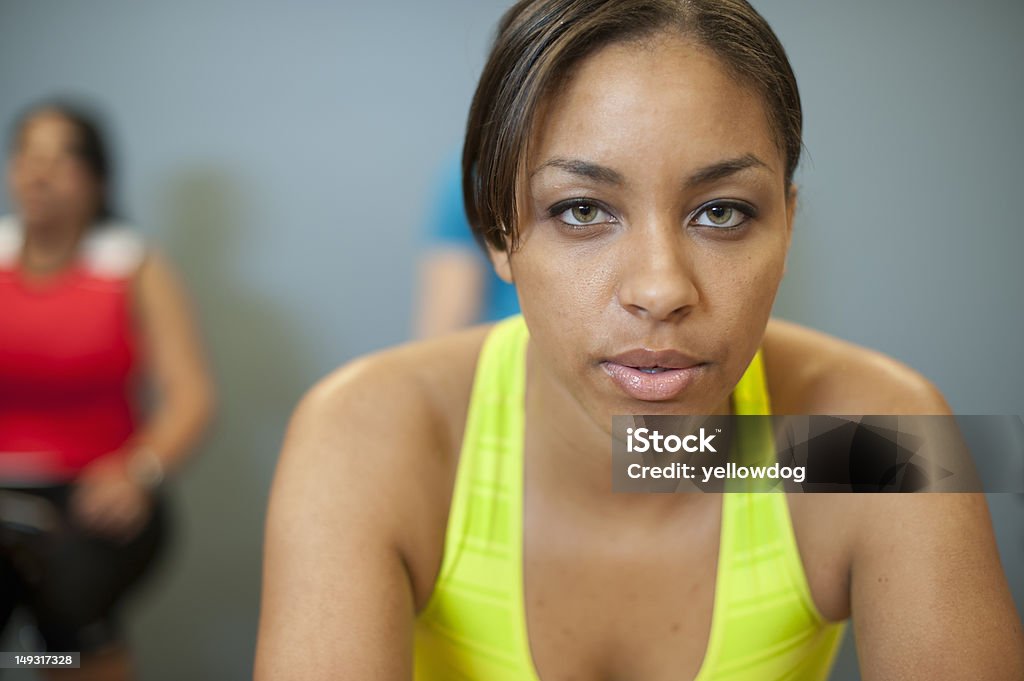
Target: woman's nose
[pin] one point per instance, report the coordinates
(657, 281)
(38, 168)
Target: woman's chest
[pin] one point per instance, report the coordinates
(662, 595)
(609, 598)
(75, 329)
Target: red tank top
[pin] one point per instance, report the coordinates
(68, 351)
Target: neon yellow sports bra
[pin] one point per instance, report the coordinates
(764, 623)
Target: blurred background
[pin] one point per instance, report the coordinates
(285, 156)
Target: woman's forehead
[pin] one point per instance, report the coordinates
(659, 105)
(48, 127)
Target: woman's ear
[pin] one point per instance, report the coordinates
(501, 263)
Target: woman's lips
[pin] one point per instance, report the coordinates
(673, 372)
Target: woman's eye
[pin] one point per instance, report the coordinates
(721, 216)
(582, 214)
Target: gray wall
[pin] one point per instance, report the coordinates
(283, 155)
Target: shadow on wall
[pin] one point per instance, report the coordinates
(201, 621)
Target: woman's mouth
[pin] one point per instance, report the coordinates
(652, 375)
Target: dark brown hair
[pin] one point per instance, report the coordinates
(538, 42)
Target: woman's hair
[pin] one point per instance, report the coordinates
(539, 41)
(91, 146)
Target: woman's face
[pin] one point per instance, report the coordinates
(654, 226)
(49, 182)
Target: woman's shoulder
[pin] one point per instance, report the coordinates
(810, 372)
(386, 428)
(113, 250)
(10, 241)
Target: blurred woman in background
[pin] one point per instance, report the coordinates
(88, 311)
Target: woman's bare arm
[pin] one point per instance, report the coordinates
(352, 492)
(928, 594)
(176, 360)
(112, 493)
(451, 284)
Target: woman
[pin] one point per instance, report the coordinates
(87, 310)
(443, 510)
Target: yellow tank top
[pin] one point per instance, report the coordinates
(764, 624)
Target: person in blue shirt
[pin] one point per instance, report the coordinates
(457, 286)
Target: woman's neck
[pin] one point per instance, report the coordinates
(48, 248)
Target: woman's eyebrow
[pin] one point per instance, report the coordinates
(587, 169)
(723, 169)
(606, 175)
